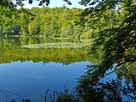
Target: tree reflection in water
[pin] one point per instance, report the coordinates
(115, 85)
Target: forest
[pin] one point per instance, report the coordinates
(108, 25)
(43, 22)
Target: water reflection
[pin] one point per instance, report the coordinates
(31, 80)
(68, 74)
(29, 72)
(116, 85)
(12, 50)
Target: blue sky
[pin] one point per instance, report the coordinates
(56, 3)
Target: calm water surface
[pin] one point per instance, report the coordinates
(30, 72)
(34, 67)
(28, 79)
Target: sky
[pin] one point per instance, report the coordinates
(56, 3)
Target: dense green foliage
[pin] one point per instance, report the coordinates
(114, 36)
(42, 22)
(112, 24)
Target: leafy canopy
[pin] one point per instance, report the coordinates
(113, 23)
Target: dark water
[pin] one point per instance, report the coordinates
(33, 68)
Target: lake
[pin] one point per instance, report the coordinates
(32, 68)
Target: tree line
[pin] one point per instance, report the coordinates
(42, 22)
(112, 25)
